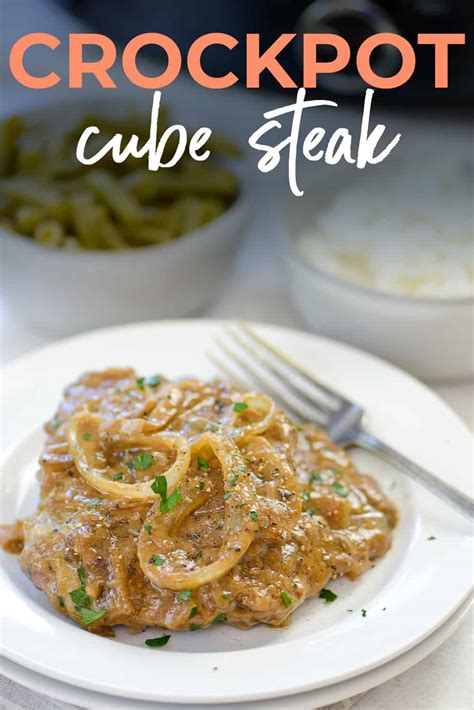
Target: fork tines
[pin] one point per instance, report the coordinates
(253, 357)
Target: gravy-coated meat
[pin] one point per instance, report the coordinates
(182, 504)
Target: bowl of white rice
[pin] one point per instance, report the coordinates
(384, 260)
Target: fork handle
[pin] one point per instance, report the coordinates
(451, 495)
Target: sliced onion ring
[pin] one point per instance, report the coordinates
(239, 526)
(263, 405)
(83, 452)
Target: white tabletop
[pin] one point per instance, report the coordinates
(256, 289)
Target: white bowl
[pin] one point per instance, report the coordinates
(69, 291)
(64, 292)
(433, 338)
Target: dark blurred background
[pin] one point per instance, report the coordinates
(185, 20)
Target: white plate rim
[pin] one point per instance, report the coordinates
(314, 699)
(253, 695)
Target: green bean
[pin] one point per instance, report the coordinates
(30, 191)
(193, 212)
(10, 130)
(165, 218)
(110, 235)
(61, 211)
(49, 234)
(147, 186)
(122, 204)
(27, 218)
(85, 217)
(47, 194)
(29, 158)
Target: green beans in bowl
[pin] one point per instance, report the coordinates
(86, 246)
(48, 195)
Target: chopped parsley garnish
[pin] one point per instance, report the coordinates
(160, 486)
(60, 601)
(240, 406)
(194, 627)
(335, 472)
(233, 479)
(171, 502)
(193, 612)
(227, 495)
(80, 597)
(89, 616)
(431, 537)
(185, 595)
(117, 477)
(82, 601)
(327, 595)
(253, 515)
(197, 556)
(95, 501)
(285, 597)
(153, 380)
(306, 495)
(201, 485)
(315, 477)
(159, 641)
(86, 437)
(219, 617)
(364, 613)
(143, 461)
(148, 528)
(226, 595)
(203, 465)
(156, 560)
(340, 489)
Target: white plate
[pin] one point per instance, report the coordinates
(303, 701)
(407, 595)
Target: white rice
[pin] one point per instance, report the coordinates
(403, 229)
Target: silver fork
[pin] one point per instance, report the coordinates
(306, 398)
